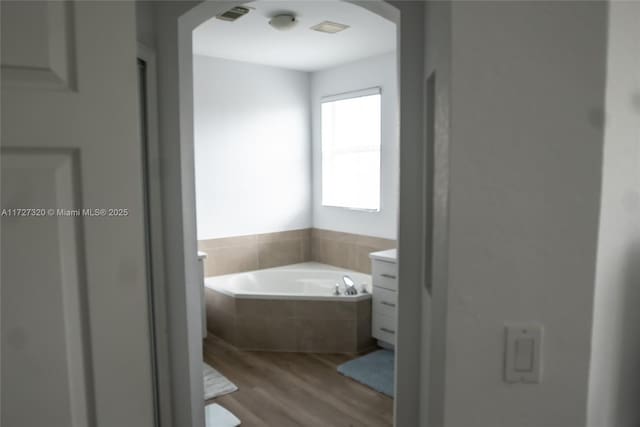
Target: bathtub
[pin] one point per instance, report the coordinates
(290, 308)
(305, 281)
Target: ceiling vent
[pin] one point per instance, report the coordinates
(329, 27)
(233, 14)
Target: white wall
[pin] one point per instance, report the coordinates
(527, 92)
(252, 149)
(370, 72)
(614, 384)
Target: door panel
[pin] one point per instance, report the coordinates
(45, 55)
(44, 309)
(74, 307)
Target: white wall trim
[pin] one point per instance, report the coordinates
(158, 290)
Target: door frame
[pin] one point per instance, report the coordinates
(175, 22)
(157, 287)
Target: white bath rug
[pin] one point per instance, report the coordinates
(215, 384)
(216, 416)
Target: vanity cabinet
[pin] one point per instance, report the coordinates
(384, 278)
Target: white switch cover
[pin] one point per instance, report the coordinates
(523, 353)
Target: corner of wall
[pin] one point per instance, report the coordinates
(614, 372)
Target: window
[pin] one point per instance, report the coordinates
(351, 150)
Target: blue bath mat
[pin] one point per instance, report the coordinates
(374, 370)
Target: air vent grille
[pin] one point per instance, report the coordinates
(233, 14)
(329, 27)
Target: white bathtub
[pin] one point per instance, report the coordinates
(304, 281)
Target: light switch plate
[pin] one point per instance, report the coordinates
(523, 353)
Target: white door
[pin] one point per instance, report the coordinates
(74, 315)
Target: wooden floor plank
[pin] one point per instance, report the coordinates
(294, 389)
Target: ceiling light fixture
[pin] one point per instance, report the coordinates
(329, 27)
(283, 21)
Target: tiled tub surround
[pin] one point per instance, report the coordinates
(346, 250)
(258, 251)
(289, 309)
(246, 253)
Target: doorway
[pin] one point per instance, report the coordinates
(177, 117)
(296, 174)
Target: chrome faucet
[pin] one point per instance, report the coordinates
(349, 286)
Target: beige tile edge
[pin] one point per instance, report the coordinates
(348, 250)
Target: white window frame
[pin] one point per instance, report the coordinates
(338, 97)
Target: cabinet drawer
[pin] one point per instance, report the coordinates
(384, 274)
(384, 301)
(384, 328)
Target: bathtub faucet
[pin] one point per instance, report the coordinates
(349, 286)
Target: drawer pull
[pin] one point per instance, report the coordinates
(388, 276)
(389, 304)
(389, 331)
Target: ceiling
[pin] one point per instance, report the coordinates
(252, 39)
